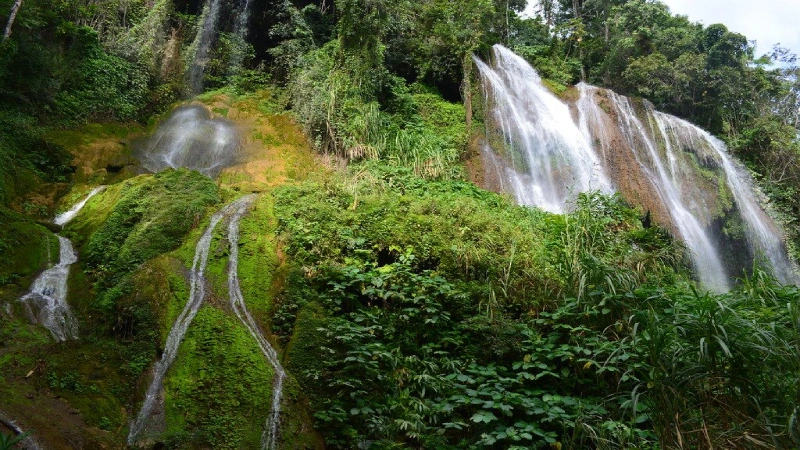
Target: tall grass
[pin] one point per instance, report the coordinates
(726, 369)
(339, 107)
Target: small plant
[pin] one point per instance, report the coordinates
(9, 441)
(105, 424)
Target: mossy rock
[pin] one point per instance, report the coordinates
(101, 151)
(151, 217)
(302, 352)
(27, 249)
(219, 390)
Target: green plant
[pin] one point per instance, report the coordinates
(9, 441)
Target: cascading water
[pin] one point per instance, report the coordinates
(668, 166)
(764, 236)
(65, 217)
(191, 138)
(549, 155)
(197, 293)
(667, 182)
(202, 44)
(270, 437)
(206, 35)
(678, 157)
(46, 303)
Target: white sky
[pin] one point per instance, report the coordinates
(768, 22)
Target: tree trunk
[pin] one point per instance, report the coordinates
(467, 87)
(11, 18)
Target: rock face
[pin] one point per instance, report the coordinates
(679, 173)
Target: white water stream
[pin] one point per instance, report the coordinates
(550, 158)
(667, 179)
(549, 153)
(191, 138)
(206, 35)
(197, 294)
(202, 44)
(46, 303)
(269, 439)
(67, 216)
(764, 236)
(28, 443)
(241, 30)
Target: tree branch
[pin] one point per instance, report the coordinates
(11, 18)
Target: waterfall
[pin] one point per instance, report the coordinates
(667, 179)
(191, 138)
(65, 217)
(550, 158)
(679, 172)
(206, 34)
(270, 436)
(764, 236)
(202, 44)
(46, 303)
(197, 292)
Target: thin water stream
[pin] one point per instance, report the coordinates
(269, 439)
(28, 443)
(240, 30)
(67, 216)
(197, 294)
(202, 44)
(46, 302)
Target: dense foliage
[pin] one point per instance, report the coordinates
(413, 309)
(452, 319)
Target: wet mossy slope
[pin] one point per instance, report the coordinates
(136, 241)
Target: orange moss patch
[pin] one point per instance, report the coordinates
(101, 152)
(274, 149)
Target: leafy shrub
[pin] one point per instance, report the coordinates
(436, 315)
(102, 86)
(374, 115)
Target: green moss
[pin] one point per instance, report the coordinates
(151, 218)
(556, 87)
(453, 227)
(27, 248)
(221, 111)
(218, 391)
(83, 378)
(296, 432)
(258, 259)
(302, 352)
(179, 295)
(16, 330)
(71, 139)
(97, 210)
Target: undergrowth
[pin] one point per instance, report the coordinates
(436, 315)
